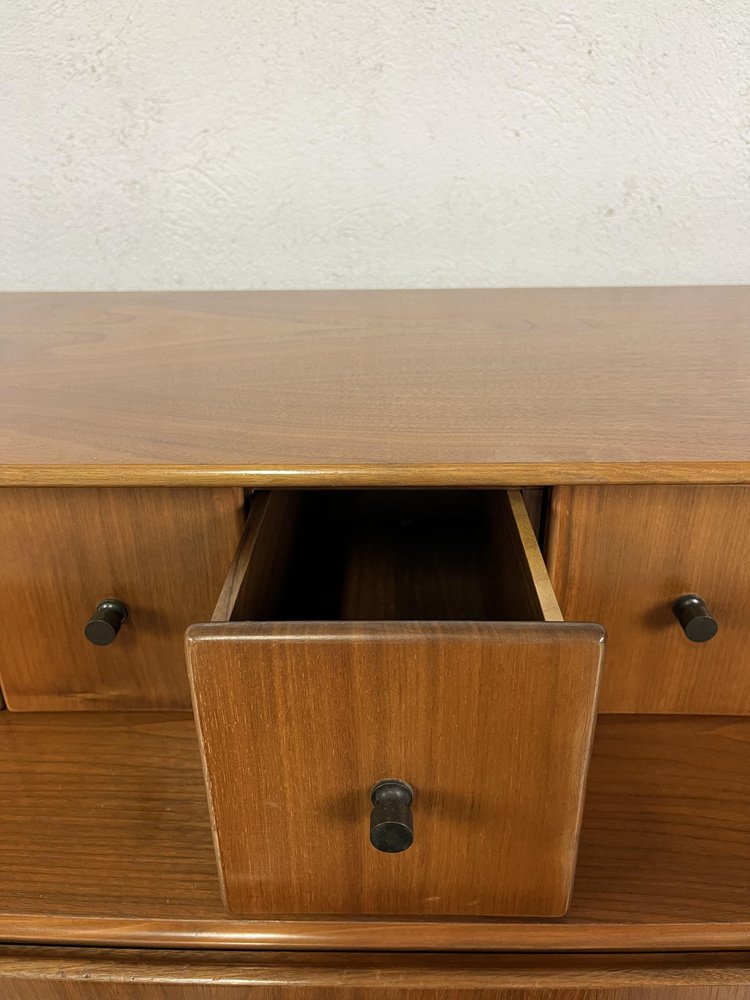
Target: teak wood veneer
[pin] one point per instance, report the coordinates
(163, 553)
(106, 841)
(70, 974)
(620, 555)
(489, 721)
(389, 606)
(479, 387)
(62, 973)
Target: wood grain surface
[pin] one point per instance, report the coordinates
(164, 553)
(623, 555)
(462, 387)
(429, 555)
(105, 840)
(490, 723)
(75, 974)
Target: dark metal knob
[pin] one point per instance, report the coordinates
(103, 626)
(697, 622)
(391, 822)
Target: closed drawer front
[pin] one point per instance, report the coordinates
(162, 553)
(623, 555)
(412, 637)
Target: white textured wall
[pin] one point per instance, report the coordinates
(365, 143)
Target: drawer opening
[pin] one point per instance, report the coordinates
(390, 555)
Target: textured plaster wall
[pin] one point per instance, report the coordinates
(346, 143)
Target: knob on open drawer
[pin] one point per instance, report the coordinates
(430, 649)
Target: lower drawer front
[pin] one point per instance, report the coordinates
(485, 725)
(94, 974)
(161, 552)
(623, 555)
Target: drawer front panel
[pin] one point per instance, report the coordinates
(162, 552)
(622, 556)
(489, 723)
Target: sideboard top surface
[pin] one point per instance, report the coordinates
(449, 387)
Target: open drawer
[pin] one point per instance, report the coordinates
(408, 640)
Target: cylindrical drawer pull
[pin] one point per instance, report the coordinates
(391, 822)
(696, 620)
(103, 626)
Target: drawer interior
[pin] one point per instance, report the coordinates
(390, 555)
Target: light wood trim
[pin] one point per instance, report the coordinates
(264, 543)
(500, 474)
(531, 564)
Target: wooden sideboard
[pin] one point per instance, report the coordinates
(365, 644)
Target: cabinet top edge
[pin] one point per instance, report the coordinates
(376, 476)
(475, 387)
